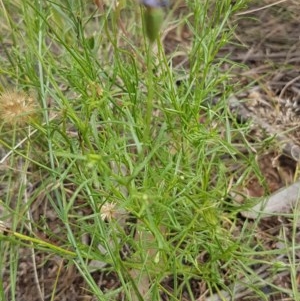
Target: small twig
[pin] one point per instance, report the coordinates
(256, 56)
(287, 85)
(260, 8)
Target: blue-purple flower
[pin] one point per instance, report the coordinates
(155, 3)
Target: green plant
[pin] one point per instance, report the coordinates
(123, 155)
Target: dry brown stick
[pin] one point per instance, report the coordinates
(253, 56)
(260, 8)
(288, 84)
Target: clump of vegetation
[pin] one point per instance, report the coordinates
(128, 172)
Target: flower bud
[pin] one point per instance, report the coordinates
(153, 17)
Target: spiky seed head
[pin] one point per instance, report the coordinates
(17, 108)
(108, 211)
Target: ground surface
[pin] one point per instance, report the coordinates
(270, 48)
